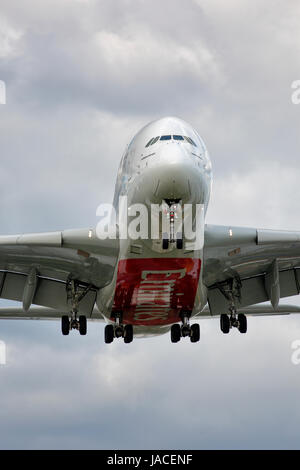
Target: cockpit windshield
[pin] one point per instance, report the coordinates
(178, 137)
(182, 138)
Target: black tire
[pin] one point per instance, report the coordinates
(109, 334)
(82, 325)
(242, 319)
(175, 333)
(225, 323)
(195, 333)
(179, 243)
(165, 243)
(65, 325)
(128, 334)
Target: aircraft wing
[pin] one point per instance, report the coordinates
(250, 266)
(254, 310)
(40, 269)
(40, 313)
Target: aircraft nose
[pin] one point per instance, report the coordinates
(174, 175)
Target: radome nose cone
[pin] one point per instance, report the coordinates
(171, 174)
(175, 176)
(172, 182)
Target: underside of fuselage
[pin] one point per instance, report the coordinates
(154, 291)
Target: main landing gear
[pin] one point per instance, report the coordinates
(72, 321)
(235, 320)
(181, 331)
(232, 291)
(118, 330)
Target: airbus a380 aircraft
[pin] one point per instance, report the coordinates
(146, 286)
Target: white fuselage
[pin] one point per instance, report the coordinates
(152, 284)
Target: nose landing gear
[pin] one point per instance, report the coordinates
(173, 213)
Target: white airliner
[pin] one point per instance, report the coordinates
(148, 286)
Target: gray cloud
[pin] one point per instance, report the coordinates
(75, 392)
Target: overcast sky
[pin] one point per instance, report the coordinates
(82, 77)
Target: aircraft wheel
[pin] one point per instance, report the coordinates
(195, 333)
(109, 334)
(82, 325)
(175, 333)
(65, 325)
(179, 241)
(242, 319)
(165, 243)
(128, 333)
(224, 323)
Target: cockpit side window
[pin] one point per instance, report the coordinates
(150, 142)
(190, 141)
(178, 137)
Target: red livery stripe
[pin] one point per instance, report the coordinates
(153, 291)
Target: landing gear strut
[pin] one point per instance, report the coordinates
(118, 330)
(181, 331)
(232, 291)
(73, 322)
